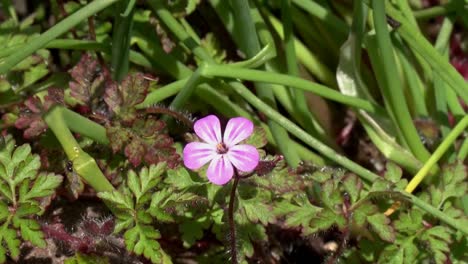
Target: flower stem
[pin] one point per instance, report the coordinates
(232, 224)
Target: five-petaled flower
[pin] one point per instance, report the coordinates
(223, 152)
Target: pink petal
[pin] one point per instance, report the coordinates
(237, 129)
(244, 157)
(220, 170)
(197, 154)
(208, 129)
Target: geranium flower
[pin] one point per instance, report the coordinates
(223, 152)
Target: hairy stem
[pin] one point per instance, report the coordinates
(232, 224)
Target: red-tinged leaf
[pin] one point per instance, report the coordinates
(146, 140)
(135, 151)
(118, 137)
(87, 77)
(30, 118)
(122, 98)
(54, 96)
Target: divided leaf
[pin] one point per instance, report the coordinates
(87, 78)
(32, 109)
(142, 239)
(123, 98)
(43, 186)
(22, 188)
(146, 141)
(453, 181)
(437, 239)
(131, 206)
(381, 225)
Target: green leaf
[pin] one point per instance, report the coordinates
(331, 195)
(410, 222)
(360, 213)
(180, 178)
(381, 225)
(4, 213)
(133, 184)
(86, 259)
(11, 240)
(193, 230)
(254, 202)
(393, 173)
(43, 186)
(258, 138)
(297, 215)
(248, 233)
(142, 240)
(149, 178)
(117, 199)
(454, 182)
(26, 165)
(353, 186)
(324, 220)
(438, 239)
(26, 209)
(30, 231)
(400, 253)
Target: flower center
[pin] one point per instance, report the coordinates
(221, 148)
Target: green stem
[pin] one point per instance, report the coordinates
(304, 136)
(122, 32)
(178, 30)
(54, 32)
(300, 107)
(162, 93)
(80, 124)
(306, 57)
(187, 90)
(463, 152)
(413, 81)
(283, 79)
(391, 85)
(438, 153)
(83, 163)
(8, 5)
(420, 44)
(435, 11)
(458, 225)
(206, 92)
(440, 87)
(324, 15)
(250, 44)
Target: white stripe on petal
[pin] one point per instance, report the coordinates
(197, 154)
(244, 157)
(208, 129)
(237, 129)
(220, 170)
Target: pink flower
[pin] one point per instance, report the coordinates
(223, 152)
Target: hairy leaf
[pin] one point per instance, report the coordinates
(31, 111)
(145, 141)
(123, 98)
(141, 239)
(87, 78)
(381, 225)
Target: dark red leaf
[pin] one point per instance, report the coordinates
(87, 77)
(123, 98)
(30, 117)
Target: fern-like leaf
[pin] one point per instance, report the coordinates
(22, 187)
